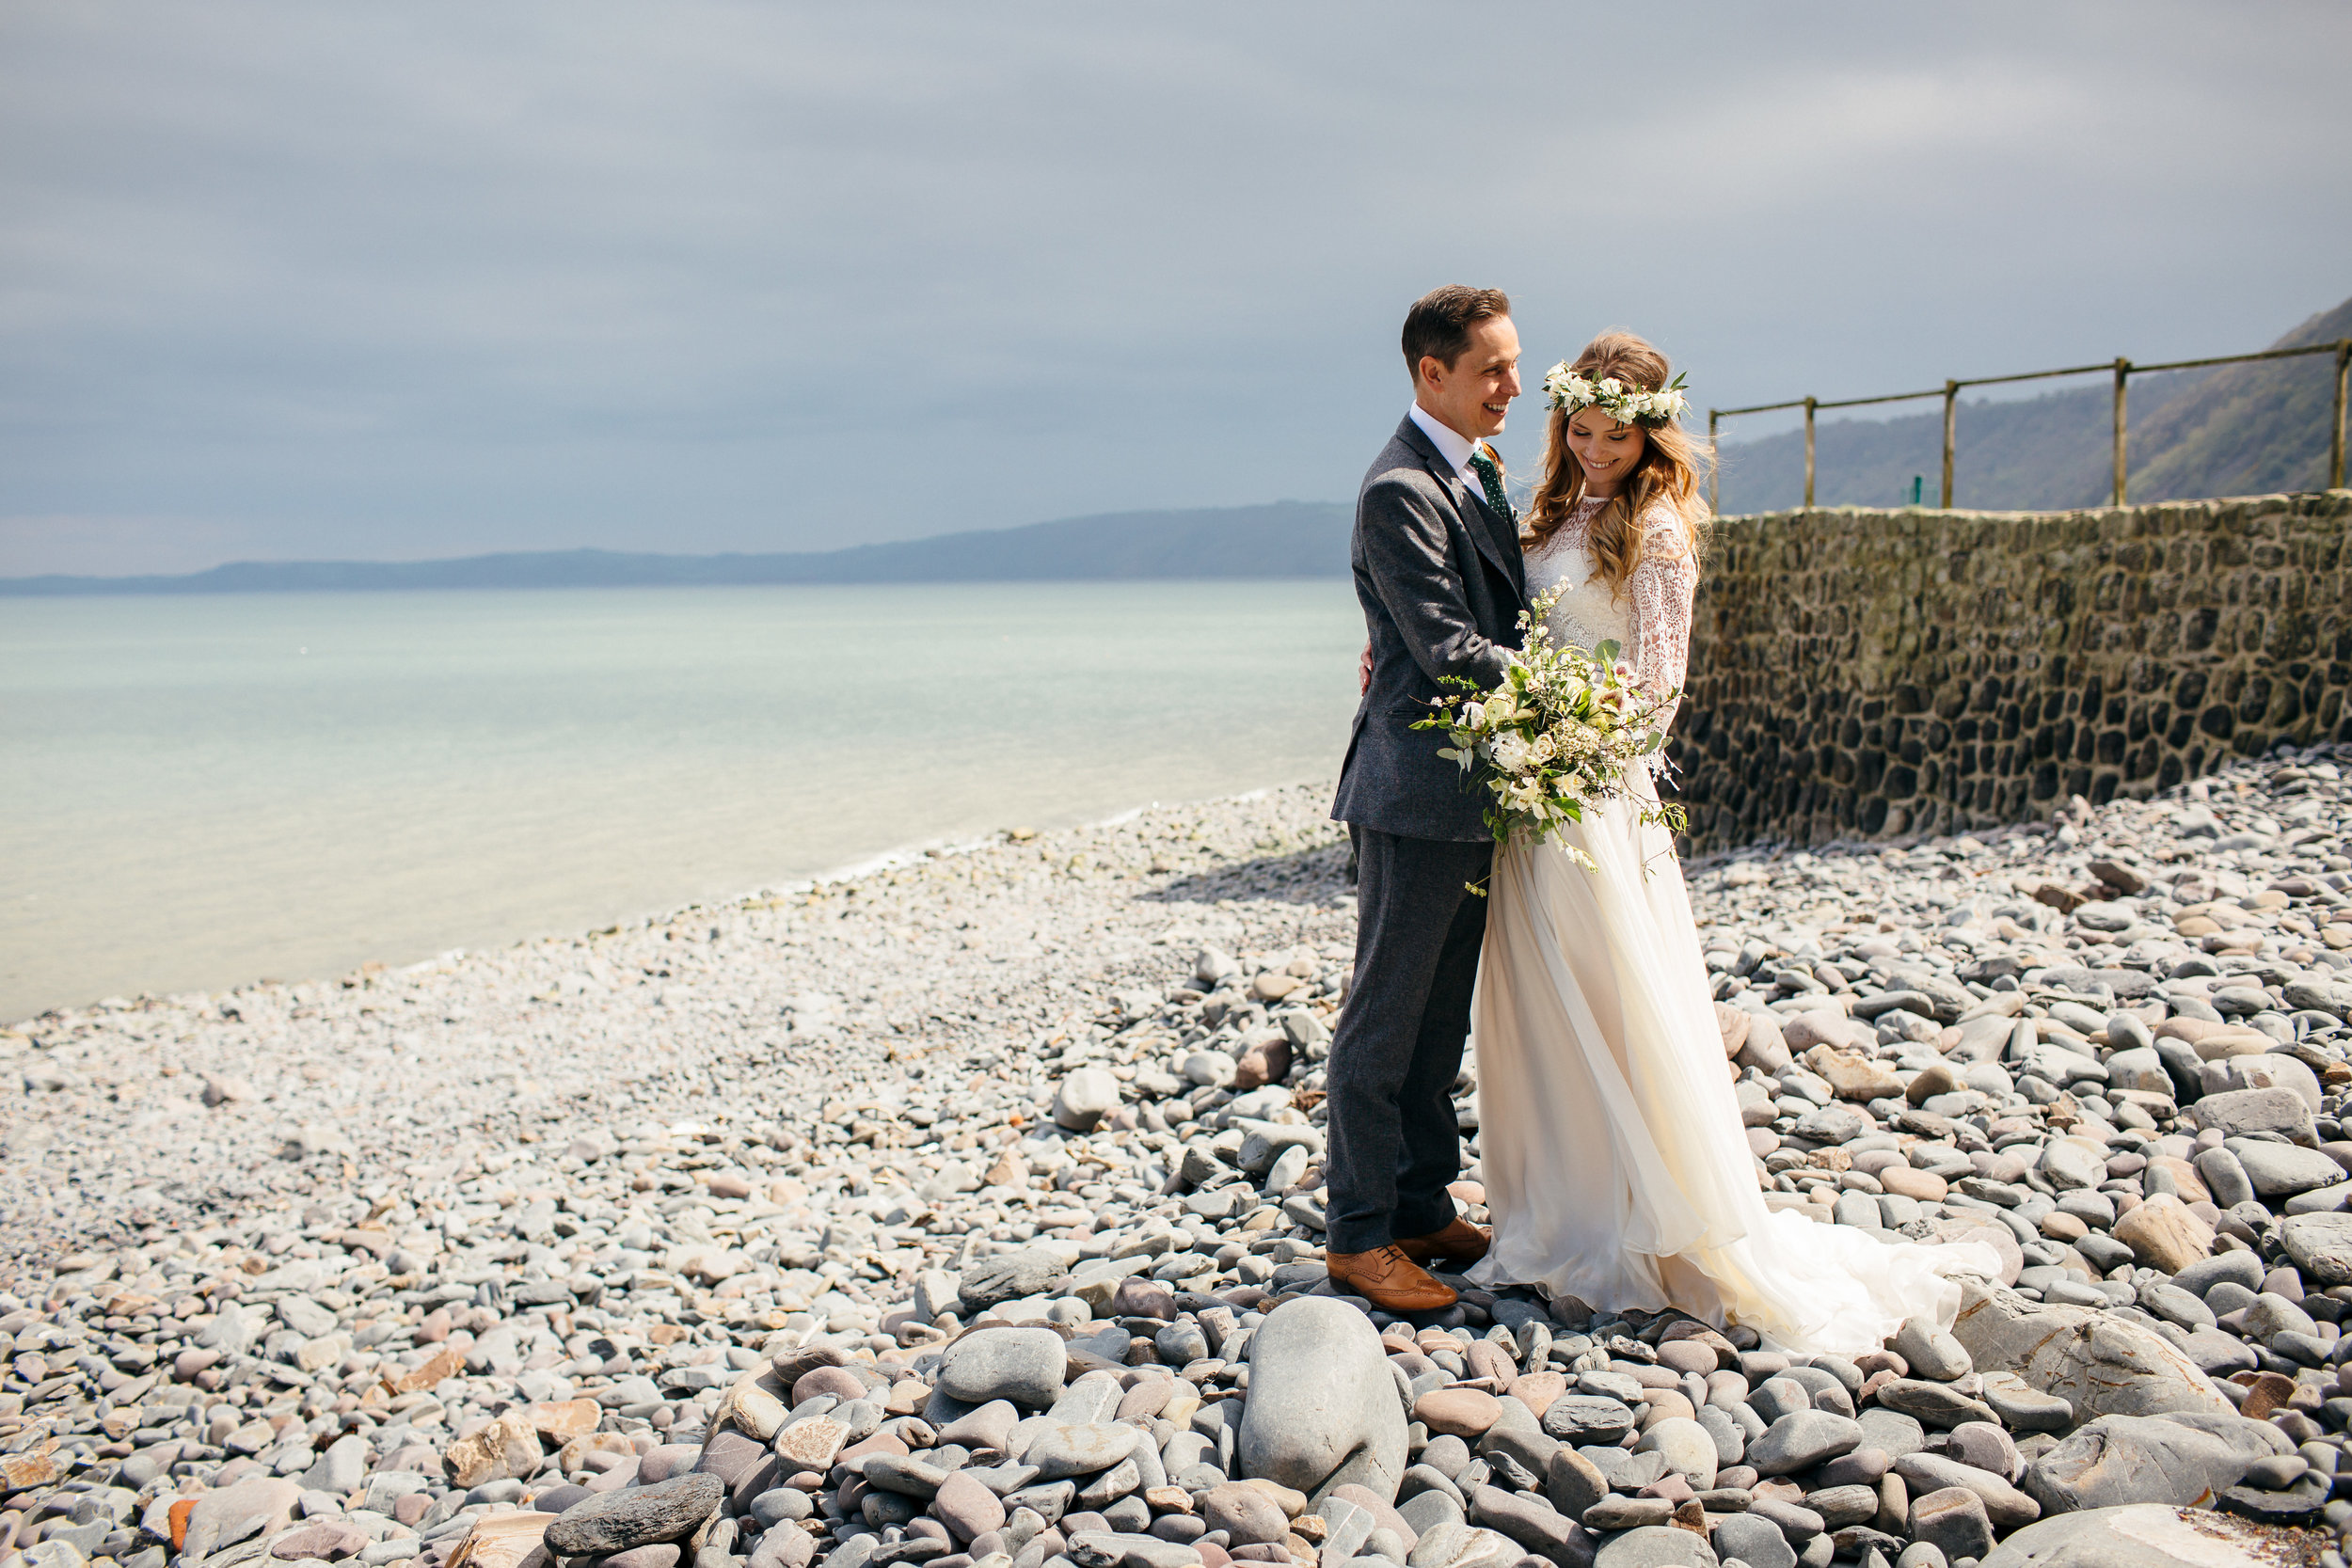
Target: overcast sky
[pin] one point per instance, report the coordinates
(294, 281)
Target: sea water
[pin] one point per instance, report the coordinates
(198, 792)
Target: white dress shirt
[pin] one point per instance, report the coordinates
(1456, 449)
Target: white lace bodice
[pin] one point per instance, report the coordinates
(1649, 619)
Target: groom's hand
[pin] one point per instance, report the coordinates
(1363, 671)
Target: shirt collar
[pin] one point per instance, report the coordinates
(1452, 446)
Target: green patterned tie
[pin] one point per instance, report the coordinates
(1490, 479)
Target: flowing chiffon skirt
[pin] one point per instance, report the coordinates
(1615, 1165)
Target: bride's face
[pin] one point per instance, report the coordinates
(1607, 451)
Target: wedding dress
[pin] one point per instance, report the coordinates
(1615, 1165)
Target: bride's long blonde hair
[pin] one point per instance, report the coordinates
(1669, 471)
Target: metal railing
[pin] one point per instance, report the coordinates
(2124, 370)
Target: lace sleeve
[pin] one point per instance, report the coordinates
(1662, 586)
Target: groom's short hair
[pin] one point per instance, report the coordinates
(1438, 324)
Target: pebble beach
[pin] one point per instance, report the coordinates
(967, 1212)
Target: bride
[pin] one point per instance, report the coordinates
(1615, 1165)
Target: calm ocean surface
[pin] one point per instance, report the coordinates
(205, 791)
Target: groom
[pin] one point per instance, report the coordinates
(1436, 560)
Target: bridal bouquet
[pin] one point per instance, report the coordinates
(1558, 735)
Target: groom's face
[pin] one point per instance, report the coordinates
(1473, 393)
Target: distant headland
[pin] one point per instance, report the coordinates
(1285, 538)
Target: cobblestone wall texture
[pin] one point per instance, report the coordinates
(1879, 675)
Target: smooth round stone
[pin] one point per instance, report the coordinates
(1246, 1515)
(909, 1477)
(1656, 1546)
(1143, 1298)
(1458, 1412)
(1840, 1506)
(1065, 1450)
(1616, 1386)
(1687, 1355)
(2280, 1169)
(2024, 1408)
(2177, 1307)
(1801, 1439)
(1588, 1418)
(1986, 1446)
(1085, 1098)
(839, 1382)
(1322, 1400)
(1798, 1523)
(1686, 1447)
(966, 1507)
(783, 1504)
(1754, 1540)
(1932, 1353)
(1862, 1467)
(1621, 1513)
(1023, 1365)
(1666, 1404)
(988, 1427)
(731, 1455)
(1210, 1069)
(659, 1554)
(1008, 1276)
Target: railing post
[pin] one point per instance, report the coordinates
(1951, 405)
(2123, 373)
(1714, 462)
(2335, 436)
(1808, 454)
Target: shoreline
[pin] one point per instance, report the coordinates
(520, 990)
(905, 853)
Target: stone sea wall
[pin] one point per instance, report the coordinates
(1877, 674)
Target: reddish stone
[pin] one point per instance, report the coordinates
(837, 1380)
(1458, 1412)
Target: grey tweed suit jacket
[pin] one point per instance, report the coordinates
(1442, 586)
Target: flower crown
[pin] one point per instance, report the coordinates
(1625, 404)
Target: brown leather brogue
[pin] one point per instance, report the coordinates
(1460, 1241)
(1387, 1279)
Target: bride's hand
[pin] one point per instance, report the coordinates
(1363, 671)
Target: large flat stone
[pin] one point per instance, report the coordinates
(1656, 1546)
(2100, 1364)
(636, 1517)
(2006, 1506)
(2320, 1246)
(2143, 1535)
(1023, 1365)
(2117, 1460)
(2241, 1111)
(2280, 1170)
(1531, 1522)
(233, 1514)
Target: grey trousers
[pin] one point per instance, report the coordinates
(1393, 1143)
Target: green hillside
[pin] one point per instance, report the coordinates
(2233, 429)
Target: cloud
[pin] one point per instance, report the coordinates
(406, 281)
